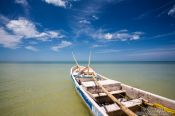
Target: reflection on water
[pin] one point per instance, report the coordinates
(46, 89)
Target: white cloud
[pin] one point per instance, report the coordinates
(31, 48)
(104, 34)
(60, 3)
(172, 11)
(3, 19)
(164, 35)
(108, 36)
(84, 21)
(9, 40)
(22, 2)
(63, 44)
(53, 34)
(122, 35)
(97, 46)
(15, 31)
(27, 29)
(95, 17)
(23, 27)
(45, 36)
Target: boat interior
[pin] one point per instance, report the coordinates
(102, 99)
(84, 79)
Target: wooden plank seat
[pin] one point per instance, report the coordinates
(112, 92)
(110, 85)
(102, 82)
(84, 79)
(114, 107)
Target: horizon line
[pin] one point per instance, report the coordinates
(94, 61)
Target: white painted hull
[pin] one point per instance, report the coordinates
(91, 104)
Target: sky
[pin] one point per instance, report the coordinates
(113, 30)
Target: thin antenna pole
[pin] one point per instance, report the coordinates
(75, 59)
(89, 59)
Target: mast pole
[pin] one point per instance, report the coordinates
(89, 62)
(76, 61)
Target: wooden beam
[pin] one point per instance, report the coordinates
(122, 107)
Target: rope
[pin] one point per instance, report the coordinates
(156, 105)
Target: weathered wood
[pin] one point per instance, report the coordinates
(91, 96)
(122, 107)
(156, 105)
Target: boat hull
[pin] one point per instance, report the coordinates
(88, 101)
(131, 91)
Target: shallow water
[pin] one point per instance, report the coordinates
(42, 89)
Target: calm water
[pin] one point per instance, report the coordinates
(42, 89)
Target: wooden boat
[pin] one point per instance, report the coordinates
(106, 97)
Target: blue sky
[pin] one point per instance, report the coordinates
(114, 30)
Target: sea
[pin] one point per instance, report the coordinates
(46, 89)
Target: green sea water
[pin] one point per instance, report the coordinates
(46, 89)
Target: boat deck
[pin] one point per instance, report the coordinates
(102, 99)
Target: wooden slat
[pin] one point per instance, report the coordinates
(112, 92)
(122, 107)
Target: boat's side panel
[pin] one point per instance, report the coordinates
(153, 98)
(89, 104)
(94, 108)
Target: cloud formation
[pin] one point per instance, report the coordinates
(123, 36)
(86, 18)
(15, 30)
(27, 29)
(84, 21)
(101, 34)
(95, 17)
(164, 35)
(63, 44)
(24, 4)
(9, 40)
(60, 3)
(22, 27)
(172, 11)
(3, 19)
(98, 46)
(31, 48)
